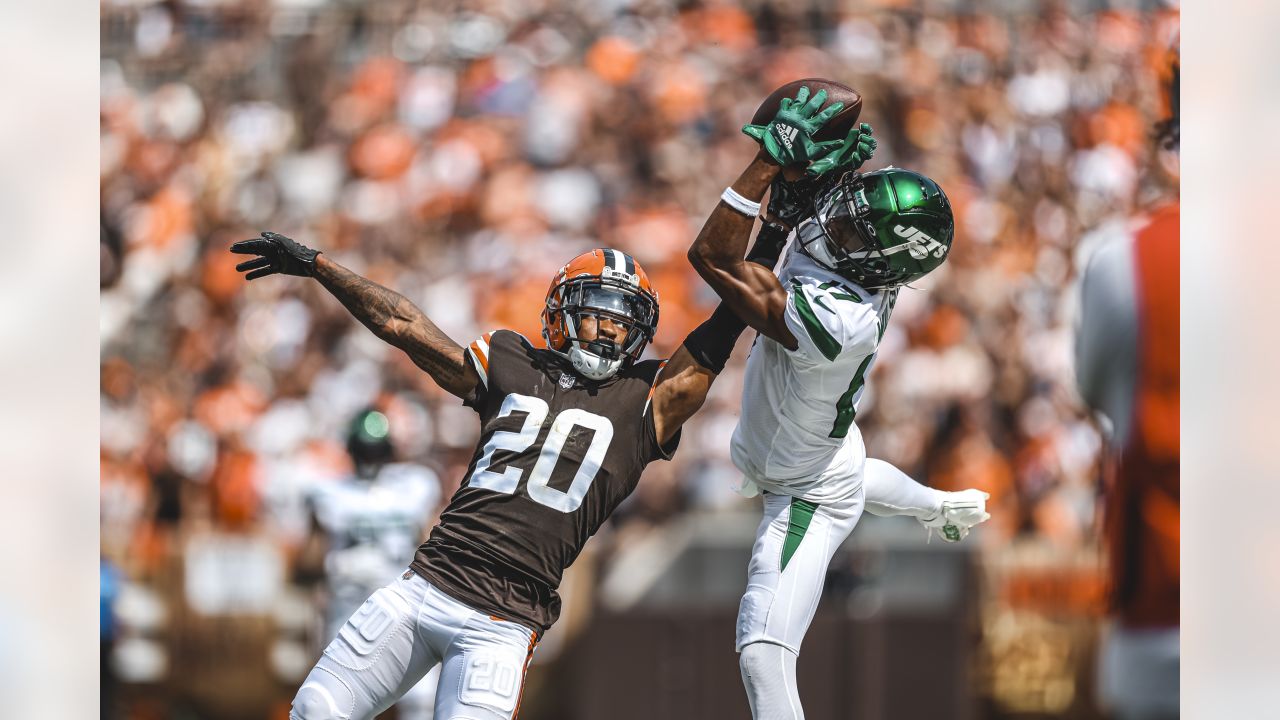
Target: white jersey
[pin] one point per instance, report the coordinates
(374, 526)
(797, 435)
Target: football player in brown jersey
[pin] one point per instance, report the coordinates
(566, 429)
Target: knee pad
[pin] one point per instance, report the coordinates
(322, 697)
(753, 615)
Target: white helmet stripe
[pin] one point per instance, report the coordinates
(887, 251)
(616, 262)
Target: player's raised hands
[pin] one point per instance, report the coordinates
(788, 138)
(791, 201)
(276, 254)
(856, 148)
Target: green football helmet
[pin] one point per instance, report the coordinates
(882, 229)
(369, 442)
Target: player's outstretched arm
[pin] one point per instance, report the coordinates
(680, 390)
(387, 313)
(749, 289)
(399, 322)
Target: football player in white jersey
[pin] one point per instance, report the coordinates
(366, 528)
(821, 318)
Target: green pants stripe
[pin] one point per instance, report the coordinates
(798, 524)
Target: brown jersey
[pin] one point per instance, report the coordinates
(556, 455)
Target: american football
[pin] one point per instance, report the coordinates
(837, 126)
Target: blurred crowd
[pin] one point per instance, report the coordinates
(459, 152)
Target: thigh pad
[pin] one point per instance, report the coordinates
(381, 620)
(491, 678)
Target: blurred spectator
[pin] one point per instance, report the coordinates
(108, 591)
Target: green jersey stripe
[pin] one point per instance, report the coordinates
(829, 346)
(846, 295)
(845, 411)
(800, 516)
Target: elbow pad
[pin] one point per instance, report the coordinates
(712, 342)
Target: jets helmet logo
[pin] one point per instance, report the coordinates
(918, 244)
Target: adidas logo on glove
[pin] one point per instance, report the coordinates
(786, 134)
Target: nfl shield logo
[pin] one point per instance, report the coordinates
(566, 380)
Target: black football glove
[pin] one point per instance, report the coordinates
(791, 202)
(277, 254)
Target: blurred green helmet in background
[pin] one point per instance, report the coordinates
(881, 229)
(369, 440)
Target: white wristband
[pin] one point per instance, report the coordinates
(739, 203)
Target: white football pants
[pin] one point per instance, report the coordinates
(795, 542)
(891, 492)
(404, 630)
(794, 545)
(420, 701)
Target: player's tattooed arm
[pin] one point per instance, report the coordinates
(749, 289)
(400, 323)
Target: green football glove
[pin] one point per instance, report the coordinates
(788, 138)
(854, 150)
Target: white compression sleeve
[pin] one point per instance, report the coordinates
(890, 492)
(769, 675)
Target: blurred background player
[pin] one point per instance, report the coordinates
(820, 319)
(364, 530)
(1127, 358)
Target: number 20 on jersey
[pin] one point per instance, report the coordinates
(539, 489)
